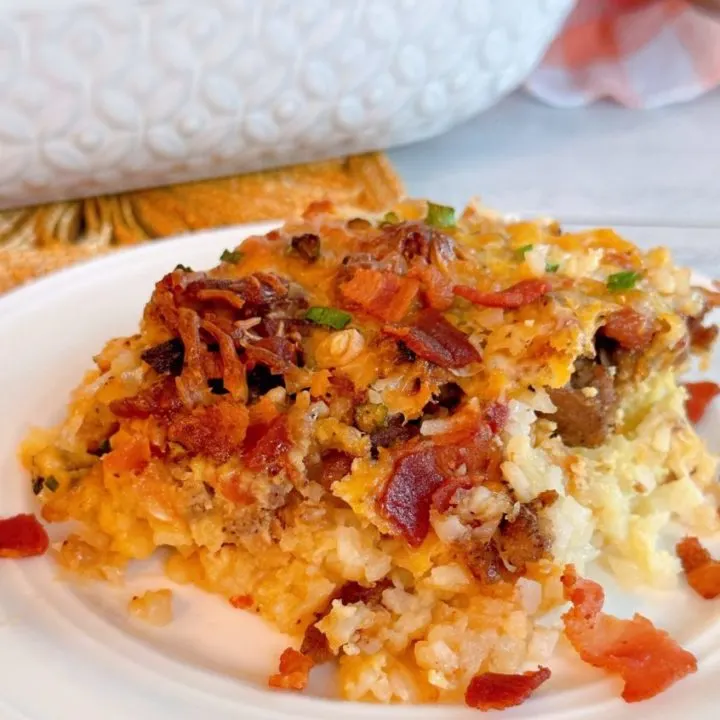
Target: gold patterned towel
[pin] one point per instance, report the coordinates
(37, 240)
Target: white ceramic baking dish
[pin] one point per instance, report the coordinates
(108, 95)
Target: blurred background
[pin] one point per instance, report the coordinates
(122, 123)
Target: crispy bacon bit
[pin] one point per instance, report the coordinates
(433, 338)
(132, 456)
(436, 289)
(307, 246)
(414, 240)
(496, 691)
(522, 293)
(217, 431)
(160, 399)
(700, 395)
(384, 295)
(630, 329)
(166, 357)
(260, 292)
(241, 602)
(293, 671)
(268, 446)
(701, 570)
(406, 497)
(22, 536)
(648, 659)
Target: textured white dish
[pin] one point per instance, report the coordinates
(69, 651)
(102, 96)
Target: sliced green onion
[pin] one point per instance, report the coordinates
(524, 250)
(51, 483)
(390, 218)
(441, 216)
(552, 267)
(231, 256)
(625, 280)
(184, 268)
(331, 317)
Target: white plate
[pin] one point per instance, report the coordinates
(69, 651)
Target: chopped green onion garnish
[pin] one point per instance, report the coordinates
(552, 267)
(441, 216)
(231, 256)
(624, 280)
(524, 250)
(331, 317)
(390, 218)
(51, 483)
(184, 268)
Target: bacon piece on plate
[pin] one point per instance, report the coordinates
(700, 395)
(631, 329)
(702, 571)
(522, 293)
(293, 671)
(384, 295)
(407, 495)
(22, 536)
(496, 691)
(433, 338)
(268, 446)
(648, 659)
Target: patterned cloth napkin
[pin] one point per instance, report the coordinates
(641, 53)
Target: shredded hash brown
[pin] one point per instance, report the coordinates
(400, 439)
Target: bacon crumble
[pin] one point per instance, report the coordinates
(646, 658)
(701, 569)
(384, 295)
(431, 337)
(497, 691)
(293, 671)
(407, 495)
(700, 395)
(631, 329)
(22, 536)
(522, 293)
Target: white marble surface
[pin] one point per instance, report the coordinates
(599, 165)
